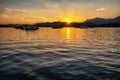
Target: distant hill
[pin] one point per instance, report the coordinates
(99, 21)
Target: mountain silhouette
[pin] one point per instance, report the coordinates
(103, 21)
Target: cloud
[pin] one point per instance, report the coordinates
(15, 10)
(100, 9)
(3, 12)
(6, 12)
(2, 9)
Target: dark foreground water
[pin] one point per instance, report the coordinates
(60, 54)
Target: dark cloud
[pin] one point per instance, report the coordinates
(42, 3)
(22, 3)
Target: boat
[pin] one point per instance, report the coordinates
(56, 27)
(26, 27)
(30, 27)
(83, 26)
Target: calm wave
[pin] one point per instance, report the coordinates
(60, 54)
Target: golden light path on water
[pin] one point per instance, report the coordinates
(70, 34)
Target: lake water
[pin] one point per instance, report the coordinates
(60, 54)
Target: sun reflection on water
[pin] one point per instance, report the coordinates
(68, 33)
(72, 34)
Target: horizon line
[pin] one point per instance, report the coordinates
(59, 21)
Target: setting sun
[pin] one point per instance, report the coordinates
(68, 22)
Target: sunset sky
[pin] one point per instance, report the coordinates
(33, 11)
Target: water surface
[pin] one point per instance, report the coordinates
(60, 54)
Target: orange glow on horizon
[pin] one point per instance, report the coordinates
(71, 19)
(66, 18)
